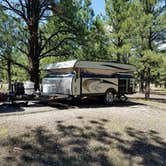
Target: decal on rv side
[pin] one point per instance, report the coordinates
(87, 83)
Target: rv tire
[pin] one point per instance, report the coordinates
(109, 97)
(76, 100)
(123, 98)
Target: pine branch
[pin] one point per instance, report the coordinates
(21, 50)
(16, 63)
(53, 35)
(56, 47)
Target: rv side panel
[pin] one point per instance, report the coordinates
(57, 84)
(98, 85)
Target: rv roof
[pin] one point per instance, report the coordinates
(92, 65)
(60, 65)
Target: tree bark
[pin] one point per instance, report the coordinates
(34, 69)
(119, 45)
(34, 73)
(124, 59)
(147, 84)
(118, 57)
(156, 84)
(34, 59)
(141, 87)
(148, 72)
(9, 75)
(34, 48)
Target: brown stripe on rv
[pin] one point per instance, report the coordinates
(86, 83)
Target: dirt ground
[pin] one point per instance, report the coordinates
(85, 134)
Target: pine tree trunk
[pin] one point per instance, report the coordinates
(9, 75)
(34, 61)
(118, 57)
(34, 49)
(147, 84)
(119, 45)
(156, 84)
(124, 58)
(141, 87)
(34, 73)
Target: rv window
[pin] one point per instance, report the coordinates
(95, 75)
(57, 75)
(122, 75)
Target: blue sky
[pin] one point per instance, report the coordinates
(98, 6)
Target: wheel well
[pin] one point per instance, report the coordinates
(111, 90)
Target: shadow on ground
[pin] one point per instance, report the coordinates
(89, 145)
(8, 108)
(61, 105)
(90, 103)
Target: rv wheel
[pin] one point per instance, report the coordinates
(123, 98)
(109, 97)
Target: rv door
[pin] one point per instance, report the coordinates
(76, 84)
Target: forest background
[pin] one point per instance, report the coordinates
(34, 33)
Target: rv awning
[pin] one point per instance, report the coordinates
(105, 66)
(109, 67)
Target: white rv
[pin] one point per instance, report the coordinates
(84, 78)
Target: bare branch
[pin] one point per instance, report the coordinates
(114, 42)
(43, 7)
(64, 53)
(57, 46)
(53, 35)
(21, 50)
(12, 8)
(16, 63)
(22, 6)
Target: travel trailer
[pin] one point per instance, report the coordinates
(79, 79)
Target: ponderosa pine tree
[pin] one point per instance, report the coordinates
(151, 28)
(121, 27)
(7, 42)
(33, 15)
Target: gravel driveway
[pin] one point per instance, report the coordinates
(89, 134)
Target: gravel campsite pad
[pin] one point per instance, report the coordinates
(89, 134)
